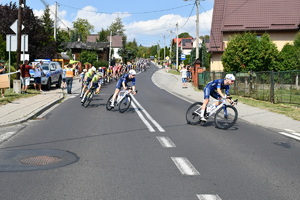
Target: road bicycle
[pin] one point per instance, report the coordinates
(123, 100)
(225, 115)
(89, 97)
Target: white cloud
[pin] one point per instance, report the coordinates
(145, 32)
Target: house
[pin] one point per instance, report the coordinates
(102, 49)
(280, 19)
(185, 44)
(116, 43)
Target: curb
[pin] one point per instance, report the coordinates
(35, 113)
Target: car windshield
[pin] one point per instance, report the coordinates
(45, 66)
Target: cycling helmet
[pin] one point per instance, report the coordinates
(84, 70)
(94, 69)
(132, 72)
(230, 76)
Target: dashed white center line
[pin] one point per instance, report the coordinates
(166, 142)
(185, 167)
(208, 197)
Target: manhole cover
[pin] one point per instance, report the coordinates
(40, 160)
(17, 160)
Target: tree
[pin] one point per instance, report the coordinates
(83, 28)
(103, 34)
(268, 54)
(241, 53)
(48, 23)
(117, 27)
(184, 35)
(123, 51)
(88, 56)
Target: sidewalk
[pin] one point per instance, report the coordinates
(172, 83)
(24, 109)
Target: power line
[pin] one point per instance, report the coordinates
(132, 13)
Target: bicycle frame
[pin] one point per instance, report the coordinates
(122, 94)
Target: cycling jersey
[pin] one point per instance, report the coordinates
(125, 78)
(96, 82)
(211, 87)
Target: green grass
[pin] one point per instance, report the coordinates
(173, 71)
(292, 111)
(10, 96)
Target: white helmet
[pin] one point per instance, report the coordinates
(132, 72)
(230, 76)
(94, 69)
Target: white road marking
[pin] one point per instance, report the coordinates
(5, 136)
(166, 142)
(185, 167)
(148, 115)
(208, 197)
(151, 129)
(295, 136)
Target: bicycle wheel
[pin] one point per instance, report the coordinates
(193, 113)
(108, 107)
(88, 99)
(226, 117)
(125, 103)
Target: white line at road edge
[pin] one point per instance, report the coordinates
(291, 135)
(185, 167)
(166, 142)
(148, 115)
(151, 129)
(5, 136)
(208, 197)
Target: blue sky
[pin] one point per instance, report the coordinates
(149, 22)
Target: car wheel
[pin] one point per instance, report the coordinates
(48, 86)
(59, 82)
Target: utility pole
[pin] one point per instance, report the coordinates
(55, 21)
(197, 28)
(20, 11)
(109, 56)
(176, 45)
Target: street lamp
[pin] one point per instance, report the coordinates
(197, 26)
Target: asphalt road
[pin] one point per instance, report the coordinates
(148, 152)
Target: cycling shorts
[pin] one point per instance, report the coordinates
(88, 80)
(209, 92)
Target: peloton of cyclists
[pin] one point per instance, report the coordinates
(122, 82)
(210, 90)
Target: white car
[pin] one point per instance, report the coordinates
(52, 74)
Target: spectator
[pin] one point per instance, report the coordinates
(25, 76)
(2, 71)
(189, 73)
(69, 77)
(63, 83)
(38, 76)
(183, 73)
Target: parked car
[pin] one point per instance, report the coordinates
(52, 73)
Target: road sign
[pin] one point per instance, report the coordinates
(14, 27)
(182, 57)
(11, 42)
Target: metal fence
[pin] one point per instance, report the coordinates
(275, 87)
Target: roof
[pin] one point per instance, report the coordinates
(116, 41)
(92, 38)
(185, 43)
(87, 45)
(252, 15)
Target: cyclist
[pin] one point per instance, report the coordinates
(122, 82)
(95, 83)
(87, 79)
(210, 90)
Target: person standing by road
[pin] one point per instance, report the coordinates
(69, 77)
(38, 76)
(25, 76)
(183, 73)
(2, 71)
